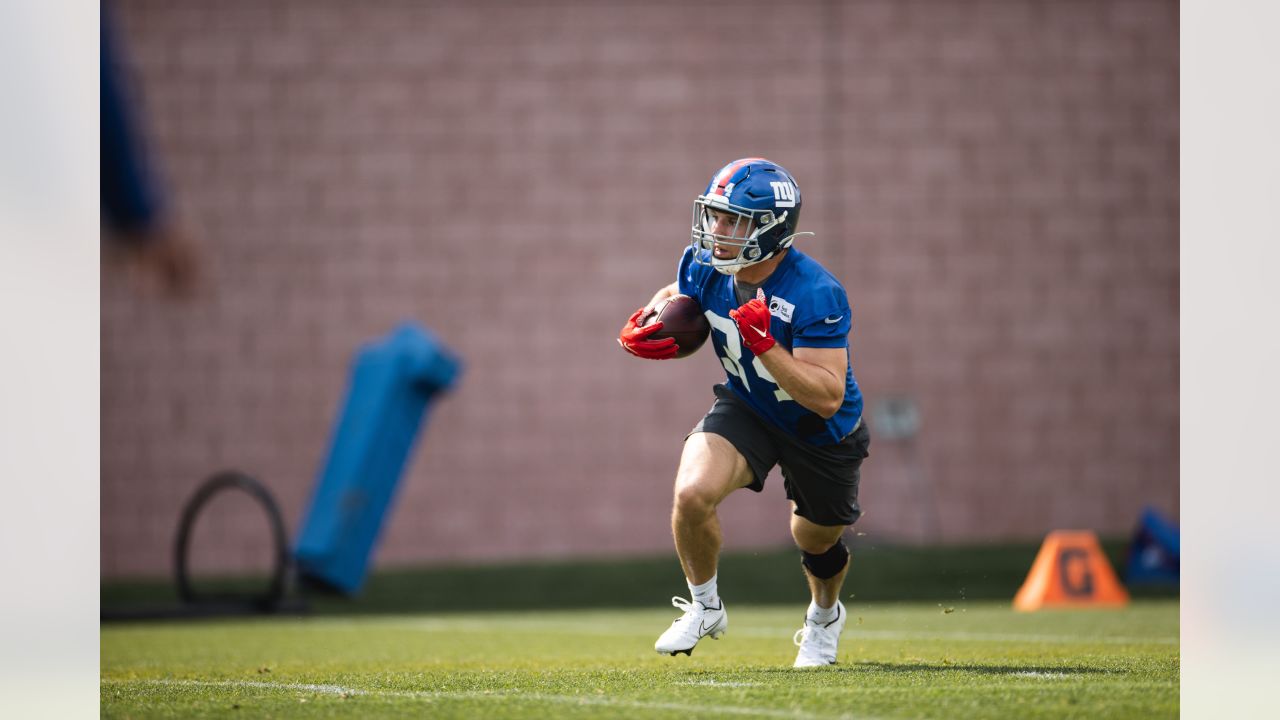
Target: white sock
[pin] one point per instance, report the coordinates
(820, 615)
(706, 593)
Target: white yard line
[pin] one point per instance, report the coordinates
(248, 685)
(490, 695)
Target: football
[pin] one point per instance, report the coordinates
(683, 320)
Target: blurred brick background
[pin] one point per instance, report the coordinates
(995, 182)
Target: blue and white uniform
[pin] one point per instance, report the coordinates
(809, 308)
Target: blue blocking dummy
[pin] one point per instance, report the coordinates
(1154, 551)
(394, 382)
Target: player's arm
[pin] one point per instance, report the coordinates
(665, 292)
(813, 377)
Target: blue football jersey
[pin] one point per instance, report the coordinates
(809, 309)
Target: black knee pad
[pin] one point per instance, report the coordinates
(828, 564)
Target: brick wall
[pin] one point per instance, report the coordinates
(995, 182)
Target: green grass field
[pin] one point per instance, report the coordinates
(919, 660)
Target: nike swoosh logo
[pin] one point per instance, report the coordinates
(832, 321)
(753, 327)
(703, 629)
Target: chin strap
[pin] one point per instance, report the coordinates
(733, 269)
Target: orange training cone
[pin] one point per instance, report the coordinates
(1070, 571)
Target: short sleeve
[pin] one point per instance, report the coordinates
(692, 276)
(826, 323)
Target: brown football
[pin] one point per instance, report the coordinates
(683, 320)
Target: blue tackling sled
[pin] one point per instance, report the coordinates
(1154, 551)
(393, 385)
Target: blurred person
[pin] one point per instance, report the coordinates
(132, 202)
(780, 326)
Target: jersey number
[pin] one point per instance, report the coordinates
(733, 359)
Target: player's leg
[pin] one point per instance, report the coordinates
(825, 559)
(727, 450)
(822, 483)
(710, 469)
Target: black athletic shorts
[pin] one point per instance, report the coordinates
(822, 480)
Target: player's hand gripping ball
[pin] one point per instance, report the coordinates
(675, 328)
(635, 339)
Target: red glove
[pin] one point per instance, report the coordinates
(753, 324)
(634, 339)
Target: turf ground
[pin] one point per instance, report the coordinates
(920, 660)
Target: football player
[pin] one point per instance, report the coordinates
(780, 326)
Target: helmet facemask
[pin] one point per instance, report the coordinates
(745, 230)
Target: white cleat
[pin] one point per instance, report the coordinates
(818, 643)
(697, 622)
